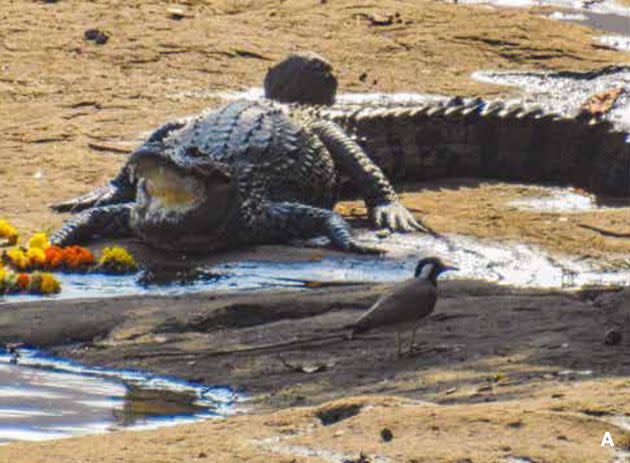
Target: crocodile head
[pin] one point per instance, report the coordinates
(182, 201)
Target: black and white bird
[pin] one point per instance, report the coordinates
(406, 304)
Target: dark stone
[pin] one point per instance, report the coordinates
(99, 37)
(613, 337)
(386, 435)
(305, 78)
(334, 415)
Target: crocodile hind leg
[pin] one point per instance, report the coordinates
(108, 221)
(286, 221)
(380, 198)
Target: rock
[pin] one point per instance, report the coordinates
(386, 435)
(600, 104)
(613, 337)
(176, 13)
(305, 78)
(97, 36)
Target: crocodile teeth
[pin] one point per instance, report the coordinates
(492, 108)
(454, 110)
(532, 112)
(510, 111)
(436, 111)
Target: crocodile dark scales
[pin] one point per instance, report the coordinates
(289, 159)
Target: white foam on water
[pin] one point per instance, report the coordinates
(558, 200)
(561, 16)
(619, 42)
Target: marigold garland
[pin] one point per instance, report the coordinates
(40, 255)
(37, 283)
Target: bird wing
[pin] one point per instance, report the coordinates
(410, 301)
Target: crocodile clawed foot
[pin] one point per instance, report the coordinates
(360, 249)
(396, 217)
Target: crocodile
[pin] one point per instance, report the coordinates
(248, 172)
(266, 172)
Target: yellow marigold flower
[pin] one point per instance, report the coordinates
(17, 257)
(117, 260)
(7, 280)
(49, 284)
(4, 273)
(44, 283)
(36, 256)
(8, 231)
(39, 241)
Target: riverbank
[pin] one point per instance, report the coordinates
(492, 360)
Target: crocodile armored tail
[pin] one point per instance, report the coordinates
(249, 172)
(473, 137)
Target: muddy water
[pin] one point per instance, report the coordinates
(43, 398)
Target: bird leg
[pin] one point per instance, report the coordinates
(398, 345)
(412, 342)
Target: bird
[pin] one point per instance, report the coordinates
(406, 304)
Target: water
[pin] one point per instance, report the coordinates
(606, 7)
(505, 263)
(47, 398)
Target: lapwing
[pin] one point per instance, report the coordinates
(406, 304)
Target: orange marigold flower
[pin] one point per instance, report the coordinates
(53, 257)
(23, 281)
(77, 257)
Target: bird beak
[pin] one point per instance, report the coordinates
(446, 268)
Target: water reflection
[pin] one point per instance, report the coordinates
(45, 398)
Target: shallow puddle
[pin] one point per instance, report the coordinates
(46, 398)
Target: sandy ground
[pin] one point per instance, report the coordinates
(69, 111)
(499, 373)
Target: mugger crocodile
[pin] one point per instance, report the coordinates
(249, 172)
(263, 172)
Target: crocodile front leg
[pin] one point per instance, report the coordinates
(108, 221)
(116, 191)
(381, 199)
(287, 221)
